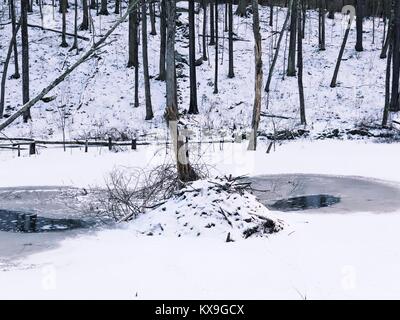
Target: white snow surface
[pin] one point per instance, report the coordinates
(321, 256)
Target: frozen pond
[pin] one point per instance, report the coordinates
(326, 194)
(38, 218)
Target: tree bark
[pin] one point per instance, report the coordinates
(359, 24)
(103, 8)
(321, 25)
(291, 70)
(16, 74)
(85, 19)
(64, 43)
(300, 65)
(258, 77)
(339, 60)
(192, 61)
(149, 109)
(204, 39)
(153, 31)
(231, 72)
(212, 23)
(394, 101)
(25, 58)
(163, 40)
(241, 8)
(216, 49)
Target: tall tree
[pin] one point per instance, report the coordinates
(64, 43)
(147, 92)
(153, 31)
(85, 16)
(241, 8)
(231, 72)
(192, 61)
(291, 69)
(75, 44)
(394, 102)
(117, 6)
(25, 57)
(321, 25)
(132, 33)
(16, 74)
(163, 40)
(136, 53)
(212, 23)
(103, 8)
(258, 77)
(360, 11)
(300, 64)
(204, 38)
(216, 49)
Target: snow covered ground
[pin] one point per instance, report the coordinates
(328, 256)
(98, 96)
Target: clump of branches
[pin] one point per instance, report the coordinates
(130, 192)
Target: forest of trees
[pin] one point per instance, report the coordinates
(142, 14)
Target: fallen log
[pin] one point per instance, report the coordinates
(57, 31)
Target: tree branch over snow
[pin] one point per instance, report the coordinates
(61, 78)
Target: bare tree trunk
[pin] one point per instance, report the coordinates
(153, 31)
(25, 58)
(321, 25)
(85, 19)
(231, 72)
(64, 43)
(163, 40)
(271, 14)
(241, 8)
(192, 61)
(216, 49)
(184, 169)
(75, 44)
(394, 101)
(4, 75)
(212, 23)
(136, 54)
(359, 24)
(117, 6)
(291, 70)
(300, 65)
(103, 9)
(204, 39)
(387, 88)
(278, 46)
(258, 77)
(132, 33)
(149, 109)
(339, 60)
(16, 74)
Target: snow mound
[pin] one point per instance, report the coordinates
(222, 207)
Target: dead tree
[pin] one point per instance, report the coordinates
(258, 77)
(184, 169)
(340, 57)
